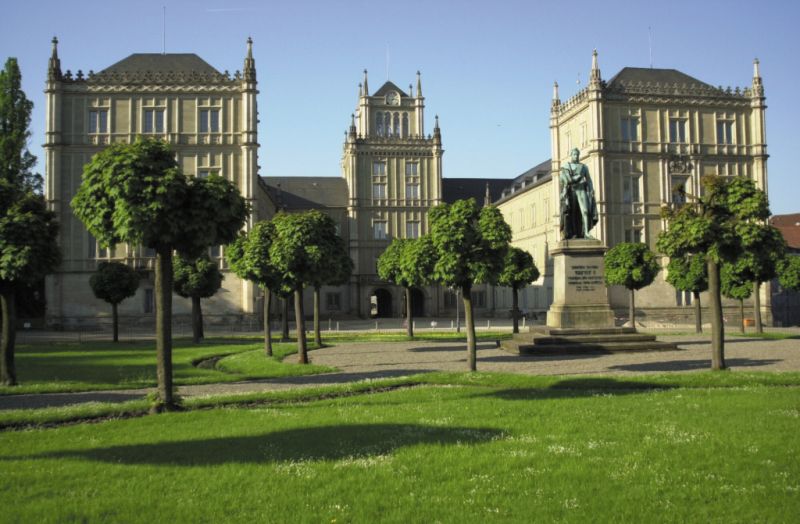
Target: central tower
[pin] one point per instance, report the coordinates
(394, 176)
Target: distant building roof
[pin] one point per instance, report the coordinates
(161, 63)
(533, 177)
(632, 75)
(307, 192)
(789, 226)
(462, 188)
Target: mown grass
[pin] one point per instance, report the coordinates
(92, 366)
(461, 448)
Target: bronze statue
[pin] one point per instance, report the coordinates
(578, 206)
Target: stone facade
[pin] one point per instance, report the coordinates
(210, 120)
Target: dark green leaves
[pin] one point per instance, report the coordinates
(198, 278)
(113, 282)
(631, 264)
(519, 269)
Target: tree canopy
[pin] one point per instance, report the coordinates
(16, 161)
(199, 277)
(688, 273)
(631, 264)
(519, 269)
(113, 282)
(789, 273)
(408, 263)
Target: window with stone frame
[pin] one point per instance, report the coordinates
(412, 229)
(208, 120)
(629, 127)
(726, 126)
(677, 128)
(153, 120)
(98, 120)
(479, 299)
(333, 301)
(379, 229)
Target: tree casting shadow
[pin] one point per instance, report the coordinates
(690, 365)
(315, 443)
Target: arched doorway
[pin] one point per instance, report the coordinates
(384, 300)
(417, 302)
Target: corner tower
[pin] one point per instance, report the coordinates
(394, 176)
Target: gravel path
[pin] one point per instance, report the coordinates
(374, 360)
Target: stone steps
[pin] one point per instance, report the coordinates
(546, 341)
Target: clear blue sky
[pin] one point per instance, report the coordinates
(487, 67)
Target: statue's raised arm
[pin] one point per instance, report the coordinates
(578, 205)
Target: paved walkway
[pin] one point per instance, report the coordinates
(375, 360)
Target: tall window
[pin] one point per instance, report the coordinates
(412, 180)
(533, 215)
(725, 127)
(333, 301)
(149, 301)
(633, 234)
(677, 130)
(412, 229)
(387, 124)
(153, 120)
(98, 121)
(479, 299)
(679, 189)
(379, 124)
(412, 189)
(378, 169)
(405, 125)
(630, 188)
(378, 190)
(629, 126)
(396, 131)
(208, 121)
(379, 230)
(379, 180)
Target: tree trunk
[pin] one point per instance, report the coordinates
(8, 372)
(317, 332)
(632, 309)
(197, 321)
(514, 309)
(409, 318)
(302, 348)
(757, 306)
(715, 307)
(472, 350)
(741, 315)
(267, 327)
(698, 313)
(285, 320)
(163, 297)
(114, 323)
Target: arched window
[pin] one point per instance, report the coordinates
(387, 124)
(396, 131)
(379, 123)
(405, 125)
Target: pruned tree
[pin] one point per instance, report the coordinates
(471, 245)
(249, 258)
(408, 263)
(519, 270)
(632, 265)
(736, 284)
(113, 282)
(789, 273)
(136, 193)
(718, 225)
(689, 273)
(28, 230)
(196, 279)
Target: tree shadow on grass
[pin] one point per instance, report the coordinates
(578, 387)
(300, 444)
(481, 345)
(691, 365)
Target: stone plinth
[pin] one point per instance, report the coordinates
(580, 296)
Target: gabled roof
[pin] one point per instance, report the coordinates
(162, 63)
(634, 75)
(789, 226)
(461, 188)
(307, 192)
(389, 86)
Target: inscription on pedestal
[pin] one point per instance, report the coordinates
(586, 278)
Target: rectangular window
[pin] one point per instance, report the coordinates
(478, 299)
(412, 190)
(379, 169)
(412, 229)
(333, 301)
(208, 121)
(629, 126)
(153, 120)
(630, 189)
(215, 251)
(677, 130)
(98, 121)
(725, 132)
(412, 169)
(683, 298)
(379, 230)
(91, 250)
(547, 210)
(633, 235)
(378, 190)
(533, 215)
(149, 301)
(679, 189)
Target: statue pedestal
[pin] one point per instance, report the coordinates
(580, 297)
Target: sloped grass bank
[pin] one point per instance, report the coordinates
(458, 449)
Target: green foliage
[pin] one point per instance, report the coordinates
(136, 193)
(631, 264)
(734, 281)
(16, 161)
(519, 269)
(199, 278)
(470, 243)
(789, 273)
(113, 282)
(688, 273)
(408, 262)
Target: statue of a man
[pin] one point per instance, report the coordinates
(578, 206)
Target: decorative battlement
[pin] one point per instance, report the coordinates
(151, 77)
(677, 89)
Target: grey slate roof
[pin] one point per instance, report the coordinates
(307, 192)
(461, 188)
(162, 63)
(661, 76)
(533, 177)
(389, 86)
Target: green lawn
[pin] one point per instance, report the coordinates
(44, 368)
(461, 448)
